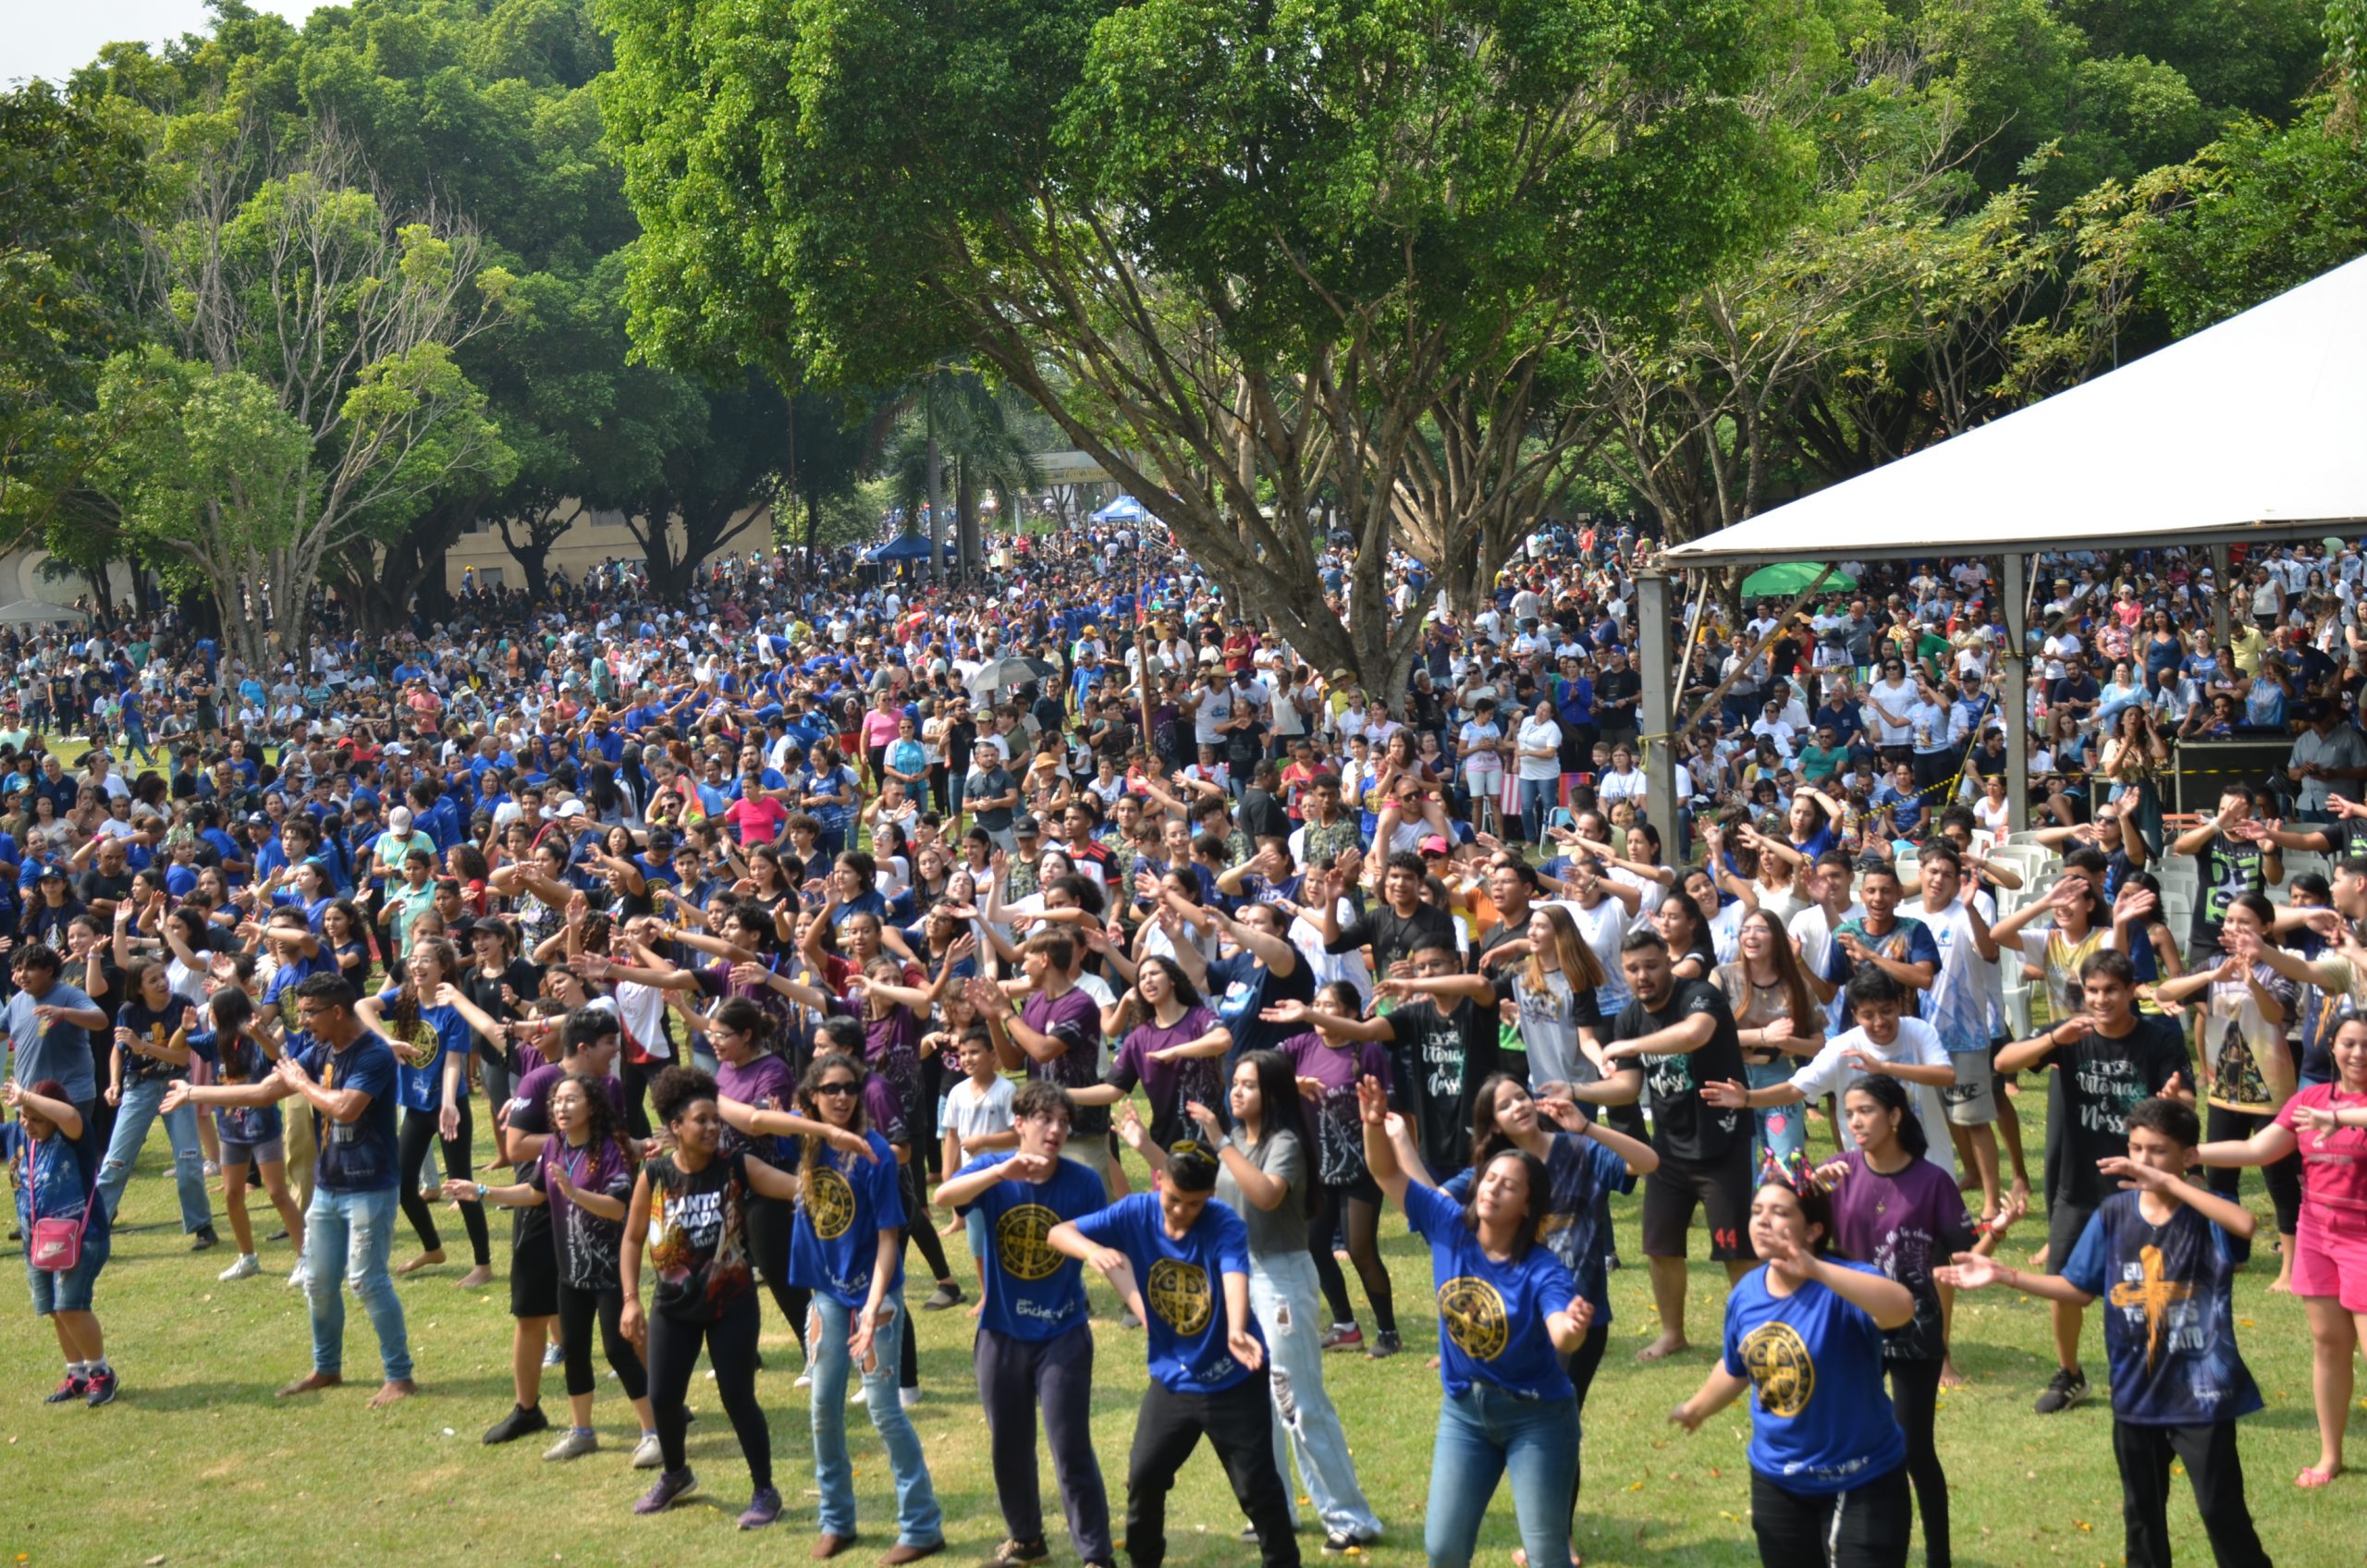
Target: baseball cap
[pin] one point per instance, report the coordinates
(572, 808)
(1024, 826)
(399, 819)
(1433, 845)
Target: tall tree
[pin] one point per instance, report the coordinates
(1237, 252)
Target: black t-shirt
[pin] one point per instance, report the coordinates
(1438, 1059)
(1684, 1126)
(524, 982)
(1613, 689)
(1392, 935)
(698, 1228)
(2225, 869)
(95, 885)
(2096, 1081)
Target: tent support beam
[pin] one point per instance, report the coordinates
(1657, 705)
(2223, 579)
(2014, 600)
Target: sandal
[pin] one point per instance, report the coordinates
(2310, 1481)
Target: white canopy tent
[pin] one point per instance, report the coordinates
(2252, 429)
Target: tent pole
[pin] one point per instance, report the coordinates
(1658, 705)
(2015, 600)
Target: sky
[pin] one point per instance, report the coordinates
(46, 39)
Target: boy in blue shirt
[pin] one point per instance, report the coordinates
(1035, 1347)
(2156, 1254)
(1207, 1358)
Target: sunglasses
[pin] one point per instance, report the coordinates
(834, 1088)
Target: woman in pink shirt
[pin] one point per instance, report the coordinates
(879, 729)
(756, 819)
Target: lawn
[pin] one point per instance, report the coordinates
(198, 1465)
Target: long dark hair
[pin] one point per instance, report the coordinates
(1278, 1111)
(807, 1086)
(1891, 1094)
(602, 1123)
(1533, 1206)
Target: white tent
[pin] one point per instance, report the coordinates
(2254, 428)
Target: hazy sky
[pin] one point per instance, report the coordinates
(45, 38)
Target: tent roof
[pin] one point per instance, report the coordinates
(2249, 429)
(903, 547)
(37, 612)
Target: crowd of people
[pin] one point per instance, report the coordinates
(742, 947)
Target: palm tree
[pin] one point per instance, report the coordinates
(968, 428)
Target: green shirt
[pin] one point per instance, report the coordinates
(1818, 764)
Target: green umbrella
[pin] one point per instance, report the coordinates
(1786, 577)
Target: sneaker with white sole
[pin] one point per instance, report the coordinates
(554, 1356)
(908, 1397)
(647, 1453)
(577, 1442)
(297, 1276)
(860, 1394)
(2065, 1388)
(245, 1269)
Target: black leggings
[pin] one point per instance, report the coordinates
(1914, 1401)
(769, 1222)
(1583, 1364)
(1364, 1250)
(576, 1310)
(730, 1343)
(418, 1131)
(1867, 1526)
(635, 1077)
(924, 1235)
(2282, 1178)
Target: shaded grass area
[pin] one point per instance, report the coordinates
(198, 1463)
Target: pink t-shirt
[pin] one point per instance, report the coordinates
(878, 728)
(758, 821)
(2333, 1165)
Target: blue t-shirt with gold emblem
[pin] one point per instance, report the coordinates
(1578, 1172)
(1033, 1293)
(846, 1202)
(1491, 1314)
(1181, 1281)
(1815, 1363)
(2170, 1315)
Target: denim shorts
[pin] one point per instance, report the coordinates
(974, 1225)
(69, 1291)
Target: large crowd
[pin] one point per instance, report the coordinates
(769, 938)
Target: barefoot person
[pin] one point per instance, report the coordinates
(2326, 1124)
(346, 1079)
(1509, 1316)
(53, 1185)
(1804, 1333)
(1035, 1348)
(2156, 1254)
(1681, 1034)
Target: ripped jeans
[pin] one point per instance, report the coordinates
(348, 1239)
(1283, 1296)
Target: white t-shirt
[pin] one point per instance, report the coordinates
(971, 1112)
(1917, 1044)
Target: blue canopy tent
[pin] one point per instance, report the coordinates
(903, 547)
(1125, 508)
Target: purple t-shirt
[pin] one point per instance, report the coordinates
(892, 1046)
(1339, 1126)
(756, 1081)
(1170, 1084)
(587, 1244)
(1072, 1018)
(530, 1104)
(1903, 1224)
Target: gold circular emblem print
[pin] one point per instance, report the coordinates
(829, 1203)
(1179, 1292)
(1473, 1315)
(1777, 1361)
(1019, 1242)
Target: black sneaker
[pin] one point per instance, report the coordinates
(73, 1387)
(948, 1293)
(102, 1388)
(1022, 1551)
(202, 1238)
(2065, 1388)
(518, 1424)
(1384, 1344)
(1339, 1542)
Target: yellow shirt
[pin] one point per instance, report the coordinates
(2247, 645)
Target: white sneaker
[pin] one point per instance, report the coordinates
(805, 1380)
(553, 1355)
(646, 1454)
(862, 1394)
(572, 1444)
(297, 1278)
(908, 1397)
(246, 1267)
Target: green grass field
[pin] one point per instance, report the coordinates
(197, 1464)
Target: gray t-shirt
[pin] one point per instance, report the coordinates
(62, 1052)
(1281, 1228)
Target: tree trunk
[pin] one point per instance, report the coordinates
(935, 462)
(965, 520)
(534, 563)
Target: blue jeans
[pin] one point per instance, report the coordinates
(1780, 1128)
(132, 1119)
(1483, 1434)
(1536, 802)
(1282, 1295)
(918, 1523)
(348, 1237)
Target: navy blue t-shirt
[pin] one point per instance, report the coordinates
(847, 1201)
(1815, 1363)
(2170, 1315)
(422, 1087)
(1033, 1293)
(356, 1156)
(1182, 1287)
(1491, 1314)
(1578, 1172)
